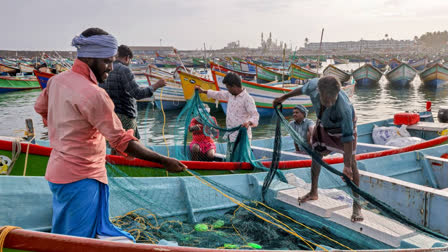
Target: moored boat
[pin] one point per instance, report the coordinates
(42, 78)
(405, 188)
(189, 81)
(340, 60)
(263, 96)
(418, 64)
(393, 63)
(367, 75)
(169, 97)
(11, 84)
(223, 69)
(297, 72)
(24, 68)
(401, 75)
(33, 158)
(332, 70)
(434, 76)
(265, 74)
(379, 64)
(6, 69)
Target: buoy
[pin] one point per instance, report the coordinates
(201, 227)
(230, 246)
(442, 115)
(218, 224)
(254, 245)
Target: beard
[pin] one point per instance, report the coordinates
(97, 72)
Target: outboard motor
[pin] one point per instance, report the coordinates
(442, 115)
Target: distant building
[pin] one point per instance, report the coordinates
(365, 45)
(151, 50)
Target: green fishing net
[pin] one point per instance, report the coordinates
(214, 212)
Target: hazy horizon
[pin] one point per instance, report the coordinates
(187, 25)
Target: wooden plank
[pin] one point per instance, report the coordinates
(322, 207)
(428, 126)
(376, 226)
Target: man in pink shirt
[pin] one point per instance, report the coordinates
(80, 117)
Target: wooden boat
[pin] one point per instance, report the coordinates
(189, 81)
(223, 69)
(265, 74)
(393, 63)
(435, 76)
(367, 75)
(401, 75)
(42, 78)
(263, 95)
(434, 62)
(199, 62)
(340, 60)
(415, 187)
(418, 64)
(297, 72)
(170, 97)
(379, 64)
(8, 69)
(15, 83)
(332, 70)
(248, 67)
(24, 68)
(37, 154)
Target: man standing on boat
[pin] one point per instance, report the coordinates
(80, 116)
(124, 90)
(335, 130)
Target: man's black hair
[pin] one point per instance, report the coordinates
(232, 79)
(94, 31)
(124, 51)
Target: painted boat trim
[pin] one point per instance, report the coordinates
(200, 165)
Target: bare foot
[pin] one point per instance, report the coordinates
(307, 197)
(357, 216)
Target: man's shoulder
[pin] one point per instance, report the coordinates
(308, 120)
(119, 67)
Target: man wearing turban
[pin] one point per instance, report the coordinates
(302, 125)
(80, 116)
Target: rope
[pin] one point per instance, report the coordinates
(15, 154)
(164, 122)
(26, 156)
(3, 233)
(279, 224)
(163, 128)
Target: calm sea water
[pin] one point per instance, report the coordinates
(371, 104)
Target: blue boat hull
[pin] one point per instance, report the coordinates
(435, 83)
(400, 83)
(43, 81)
(8, 90)
(366, 82)
(170, 105)
(420, 68)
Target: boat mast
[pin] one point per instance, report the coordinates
(205, 56)
(360, 48)
(283, 70)
(320, 51)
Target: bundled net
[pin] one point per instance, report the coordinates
(228, 212)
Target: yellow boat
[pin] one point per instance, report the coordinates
(189, 81)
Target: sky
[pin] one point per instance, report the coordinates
(188, 24)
